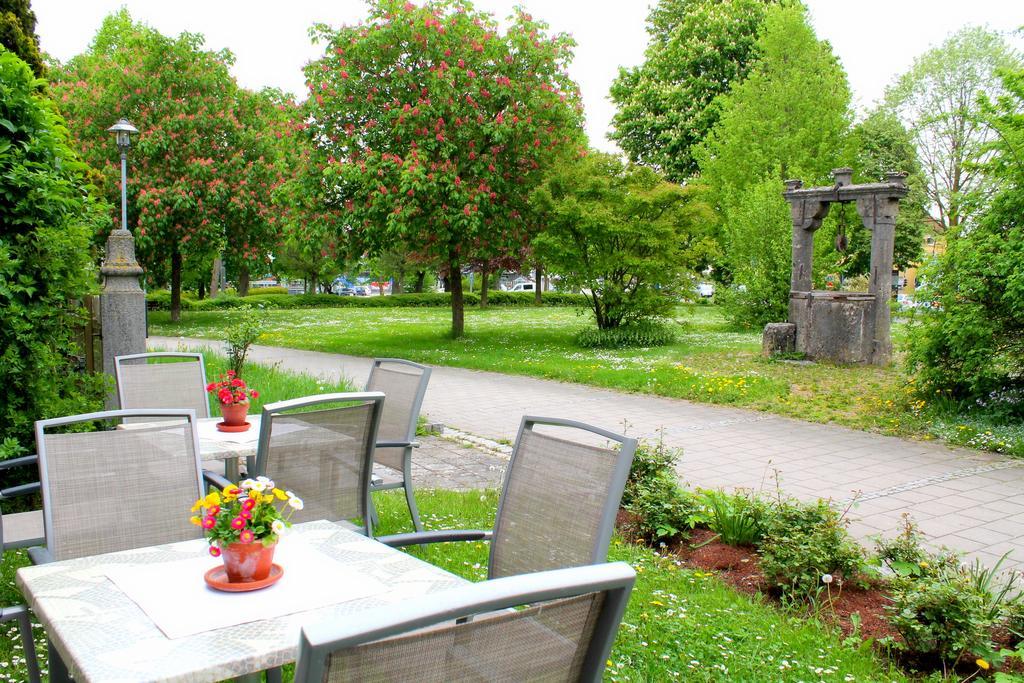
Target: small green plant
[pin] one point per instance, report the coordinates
(242, 335)
(804, 542)
(1001, 593)
(652, 461)
(664, 511)
(643, 333)
(733, 517)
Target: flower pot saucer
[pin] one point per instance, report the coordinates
(217, 578)
(222, 427)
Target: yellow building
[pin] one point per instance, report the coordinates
(933, 247)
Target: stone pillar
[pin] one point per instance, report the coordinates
(122, 301)
(878, 213)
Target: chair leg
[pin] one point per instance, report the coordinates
(58, 669)
(407, 485)
(374, 519)
(31, 661)
(274, 675)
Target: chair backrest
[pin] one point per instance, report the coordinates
(565, 634)
(179, 383)
(321, 449)
(560, 497)
(118, 489)
(404, 383)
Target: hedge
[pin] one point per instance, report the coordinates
(161, 300)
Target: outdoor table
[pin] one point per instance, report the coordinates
(217, 445)
(104, 636)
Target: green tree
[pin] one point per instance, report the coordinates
(938, 101)
(189, 175)
(972, 348)
(788, 119)
(878, 145)
(434, 125)
(698, 50)
(48, 212)
(18, 33)
(623, 234)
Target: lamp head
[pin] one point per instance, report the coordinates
(123, 130)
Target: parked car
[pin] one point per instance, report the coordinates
(522, 287)
(706, 290)
(361, 290)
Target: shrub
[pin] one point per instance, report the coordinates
(664, 511)
(161, 300)
(267, 290)
(642, 333)
(802, 543)
(943, 615)
(652, 461)
(48, 216)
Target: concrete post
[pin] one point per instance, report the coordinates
(122, 301)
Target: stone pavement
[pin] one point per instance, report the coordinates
(964, 499)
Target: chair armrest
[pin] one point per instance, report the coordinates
(440, 536)
(21, 490)
(396, 444)
(19, 462)
(40, 555)
(217, 480)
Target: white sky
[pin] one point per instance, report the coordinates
(875, 39)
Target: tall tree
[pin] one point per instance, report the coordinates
(184, 169)
(435, 125)
(788, 119)
(18, 33)
(972, 347)
(698, 50)
(938, 101)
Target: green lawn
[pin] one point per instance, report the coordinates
(711, 362)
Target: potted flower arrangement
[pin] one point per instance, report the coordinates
(243, 524)
(233, 394)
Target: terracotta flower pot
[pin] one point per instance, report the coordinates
(234, 413)
(245, 562)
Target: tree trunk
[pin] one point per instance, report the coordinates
(485, 274)
(458, 307)
(538, 280)
(243, 280)
(201, 290)
(215, 277)
(421, 275)
(175, 286)
(313, 282)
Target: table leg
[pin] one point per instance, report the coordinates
(58, 669)
(231, 469)
(250, 678)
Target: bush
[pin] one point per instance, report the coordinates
(651, 462)
(735, 518)
(267, 290)
(664, 511)
(161, 300)
(48, 216)
(642, 333)
(802, 543)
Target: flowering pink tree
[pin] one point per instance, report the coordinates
(434, 126)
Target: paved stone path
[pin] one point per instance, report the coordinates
(969, 500)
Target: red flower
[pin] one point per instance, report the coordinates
(209, 522)
(238, 523)
(254, 394)
(248, 504)
(213, 509)
(215, 551)
(246, 536)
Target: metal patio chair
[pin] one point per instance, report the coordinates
(564, 634)
(89, 479)
(28, 533)
(404, 383)
(178, 384)
(321, 448)
(558, 502)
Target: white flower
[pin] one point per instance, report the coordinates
(278, 527)
(258, 486)
(267, 481)
(296, 502)
(246, 483)
(826, 578)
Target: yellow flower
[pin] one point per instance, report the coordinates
(196, 521)
(279, 494)
(655, 602)
(924, 565)
(982, 664)
(212, 499)
(198, 504)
